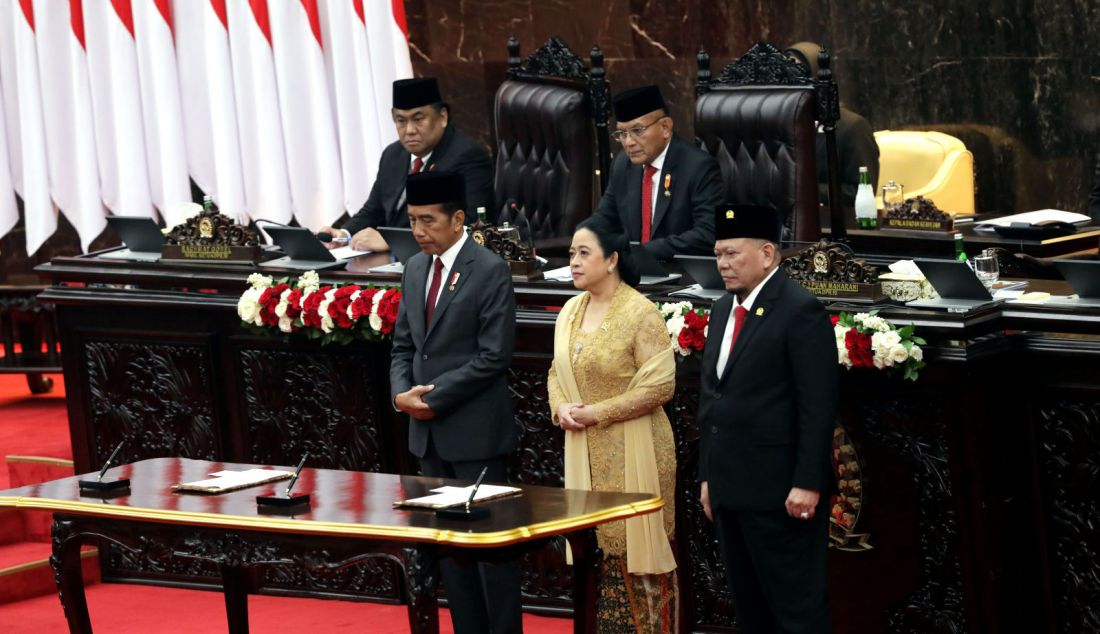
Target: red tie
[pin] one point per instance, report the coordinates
(433, 291)
(418, 164)
(647, 201)
(739, 314)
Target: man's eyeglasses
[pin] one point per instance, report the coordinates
(635, 133)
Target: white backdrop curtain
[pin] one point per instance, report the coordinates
(279, 109)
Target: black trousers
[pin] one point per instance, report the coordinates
(775, 567)
(483, 598)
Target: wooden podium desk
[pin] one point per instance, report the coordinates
(351, 521)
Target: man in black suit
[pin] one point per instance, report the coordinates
(767, 406)
(426, 142)
(452, 347)
(855, 139)
(662, 191)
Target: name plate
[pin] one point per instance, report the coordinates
(210, 253)
(917, 225)
(848, 291)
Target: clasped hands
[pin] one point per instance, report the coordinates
(368, 239)
(412, 402)
(576, 416)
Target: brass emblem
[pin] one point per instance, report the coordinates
(729, 214)
(760, 311)
(478, 237)
(821, 262)
(206, 228)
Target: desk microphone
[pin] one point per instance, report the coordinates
(295, 503)
(325, 236)
(468, 513)
(99, 486)
(513, 205)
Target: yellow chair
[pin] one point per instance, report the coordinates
(930, 164)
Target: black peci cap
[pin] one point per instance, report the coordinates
(746, 221)
(416, 92)
(435, 188)
(633, 103)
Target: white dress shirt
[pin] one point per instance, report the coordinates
(448, 258)
(423, 161)
(655, 180)
(727, 336)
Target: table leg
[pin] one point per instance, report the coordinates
(69, 576)
(235, 588)
(421, 578)
(586, 579)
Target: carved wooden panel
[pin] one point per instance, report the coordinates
(703, 577)
(1069, 455)
(538, 459)
(915, 430)
(309, 401)
(157, 396)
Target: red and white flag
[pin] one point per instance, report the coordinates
(362, 105)
(263, 155)
(9, 213)
(67, 114)
(309, 129)
(165, 150)
(32, 182)
(388, 36)
(210, 115)
(116, 101)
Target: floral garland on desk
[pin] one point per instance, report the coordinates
(686, 325)
(337, 313)
(865, 340)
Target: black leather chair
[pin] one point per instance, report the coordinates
(552, 142)
(758, 120)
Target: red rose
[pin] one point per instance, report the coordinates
(834, 318)
(310, 316)
(269, 299)
(338, 307)
(360, 308)
(294, 303)
(387, 309)
(859, 348)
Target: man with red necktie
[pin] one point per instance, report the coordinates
(452, 348)
(662, 191)
(767, 405)
(426, 141)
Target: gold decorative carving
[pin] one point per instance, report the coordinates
(831, 270)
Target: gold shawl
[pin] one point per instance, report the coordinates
(647, 547)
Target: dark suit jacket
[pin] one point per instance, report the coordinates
(767, 425)
(683, 222)
(855, 147)
(465, 352)
(1094, 196)
(455, 152)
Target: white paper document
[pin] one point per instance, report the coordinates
(1042, 216)
(562, 274)
(347, 253)
(448, 496)
(225, 481)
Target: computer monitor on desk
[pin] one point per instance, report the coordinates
(959, 288)
(303, 250)
(402, 245)
(704, 270)
(141, 235)
(1084, 277)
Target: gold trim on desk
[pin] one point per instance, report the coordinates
(1072, 236)
(370, 531)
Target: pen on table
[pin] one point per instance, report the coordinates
(476, 486)
(107, 465)
(297, 472)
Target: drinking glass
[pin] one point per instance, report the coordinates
(986, 267)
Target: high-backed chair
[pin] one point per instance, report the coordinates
(758, 120)
(930, 164)
(552, 142)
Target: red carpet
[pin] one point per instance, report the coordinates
(112, 608)
(37, 426)
(31, 425)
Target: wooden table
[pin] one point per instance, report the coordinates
(351, 522)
